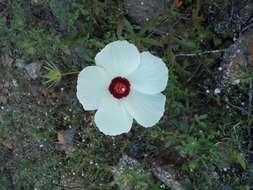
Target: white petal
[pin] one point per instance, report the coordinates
(112, 118)
(146, 109)
(119, 58)
(92, 85)
(151, 76)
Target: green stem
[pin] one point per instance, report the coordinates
(70, 73)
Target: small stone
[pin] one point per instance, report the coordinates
(228, 18)
(217, 91)
(14, 82)
(3, 99)
(162, 186)
(141, 11)
(7, 60)
(65, 140)
(236, 82)
(33, 70)
(20, 63)
(236, 57)
(37, 2)
(215, 175)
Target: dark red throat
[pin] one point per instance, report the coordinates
(119, 87)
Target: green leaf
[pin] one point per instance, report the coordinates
(240, 159)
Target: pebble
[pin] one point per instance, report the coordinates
(20, 63)
(236, 82)
(3, 99)
(14, 82)
(33, 70)
(217, 91)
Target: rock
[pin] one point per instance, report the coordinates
(65, 140)
(20, 63)
(230, 68)
(37, 2)
(127, 163)
(1, 84)
(9, 144)
(248, 44)
(165, 176)
(14, 82)
(141, 11)
(41, 10)
(238, 57)
(137, 150)
(33, 70)
(230, 16)
(7, 60)
(3, 99)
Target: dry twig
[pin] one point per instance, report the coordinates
(201, 53)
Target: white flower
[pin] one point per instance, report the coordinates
(124, 84)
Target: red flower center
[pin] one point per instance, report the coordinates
(119, 87)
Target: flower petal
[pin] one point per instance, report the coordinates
(119, 58)
(92, 85)
(151, 76)
(112, 118)
(146, 109)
